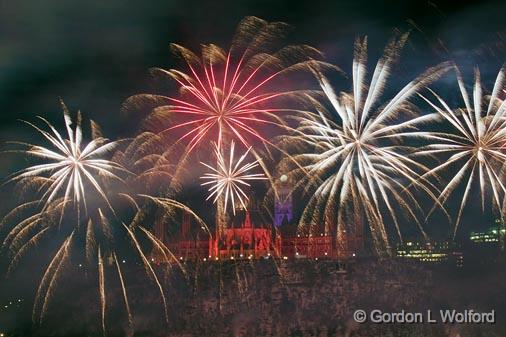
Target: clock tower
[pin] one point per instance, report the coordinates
(283, 208)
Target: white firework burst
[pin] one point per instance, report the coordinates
(230, 176)
(476, 144)
(352, 155)
(70, 165)
(75, 174)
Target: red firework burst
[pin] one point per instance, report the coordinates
(230, 93)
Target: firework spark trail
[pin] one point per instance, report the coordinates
(27, 233)
(476, 144)
(101, 289)
(358, 161)
(169, 203)
(21, 252)
(50, 276)
(149, 270)
(230, 176)
(125, 297)
(168, 256)
(90, 242)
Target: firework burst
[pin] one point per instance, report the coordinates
(71, 163)
(229, 94)
(357, 164)
(230, 176)
(73, 176)
(475, 145)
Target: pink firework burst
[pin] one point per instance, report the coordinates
(230, 94)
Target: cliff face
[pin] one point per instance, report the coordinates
(296, 298)
(299, 298)
(318, 299)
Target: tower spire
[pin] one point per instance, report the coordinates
(247, 220)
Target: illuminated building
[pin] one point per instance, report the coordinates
(431, 252)
(247, 237)
(244, 239)
(495, 234)
(487, 246)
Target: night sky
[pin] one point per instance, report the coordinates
(95, 54)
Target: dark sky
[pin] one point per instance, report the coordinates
(94, 54)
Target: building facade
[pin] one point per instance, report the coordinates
(249, 238)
